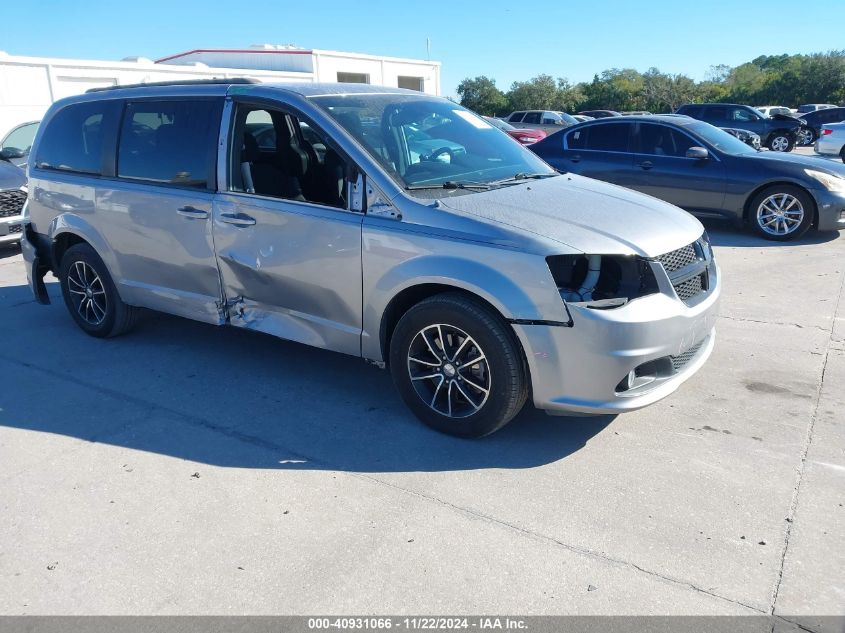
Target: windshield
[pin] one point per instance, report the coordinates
(502, 125)
(427, 141)
(720, 139)
(568, 118)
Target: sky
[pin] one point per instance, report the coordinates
(507, 41)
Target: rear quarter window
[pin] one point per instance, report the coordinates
(577, 139)
(74, 137)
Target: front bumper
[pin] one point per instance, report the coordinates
(579, 369)
(11, 229)
(831, 210)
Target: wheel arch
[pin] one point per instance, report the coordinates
(412, 295)
(746, 210)
(68, 229)
(408, 297)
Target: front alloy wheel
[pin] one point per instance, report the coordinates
(806, 137)
(458, 365)
(782, 212)
(780, 143)
(449, 370)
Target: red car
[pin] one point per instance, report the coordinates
(524, 136)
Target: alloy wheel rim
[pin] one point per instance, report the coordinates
(87, 293)
(780, 214)
(780, 143)
(449, 371)
(806, 137)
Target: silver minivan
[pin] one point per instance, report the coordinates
(382, 223)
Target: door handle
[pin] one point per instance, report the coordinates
(646, 164)
(191, 212)
(238, 219)
(576, 158)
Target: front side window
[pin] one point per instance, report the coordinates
(21, 137)
(609, 137)
(741, 114)
(424, 141)
(659, 140)
(169, 142)
(73, 140)
(277, 155)
(531, 117)
(516, 117)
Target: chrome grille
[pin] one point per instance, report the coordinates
(690, 288)
(681, 360)
(11, 202)
(692, 260)
(678, 259)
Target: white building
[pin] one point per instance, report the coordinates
(319, 65)
(29, 85)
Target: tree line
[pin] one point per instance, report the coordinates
(787, 80)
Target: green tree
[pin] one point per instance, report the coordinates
(539, 93)
(482, 96)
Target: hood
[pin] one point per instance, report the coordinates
(785, 117)
(11, 177)
(586, 215)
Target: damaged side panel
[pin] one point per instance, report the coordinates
(295, 273)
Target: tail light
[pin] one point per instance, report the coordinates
(826, 131)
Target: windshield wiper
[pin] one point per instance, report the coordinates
(523, 176)
(450, 184)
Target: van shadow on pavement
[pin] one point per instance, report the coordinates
(233, 398)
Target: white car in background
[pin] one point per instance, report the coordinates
(832, 140)
(768, 111)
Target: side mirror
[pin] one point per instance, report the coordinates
(698, 153)
(8, 153)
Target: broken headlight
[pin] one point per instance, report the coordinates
(601, 281)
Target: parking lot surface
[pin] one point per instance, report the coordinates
(186, 469)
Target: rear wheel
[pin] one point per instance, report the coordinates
(90, 294)
(458, 366)
(782, 212)
(842, 154)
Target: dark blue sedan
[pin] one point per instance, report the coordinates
(704, 170)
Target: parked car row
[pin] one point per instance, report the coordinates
(478, 274)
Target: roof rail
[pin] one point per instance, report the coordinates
(182, 82)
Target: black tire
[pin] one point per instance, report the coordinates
(795, 231)
(100, 312)
(781, 141)
(503, 368)
(842, 154)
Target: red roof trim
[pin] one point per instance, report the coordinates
(231, 50)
